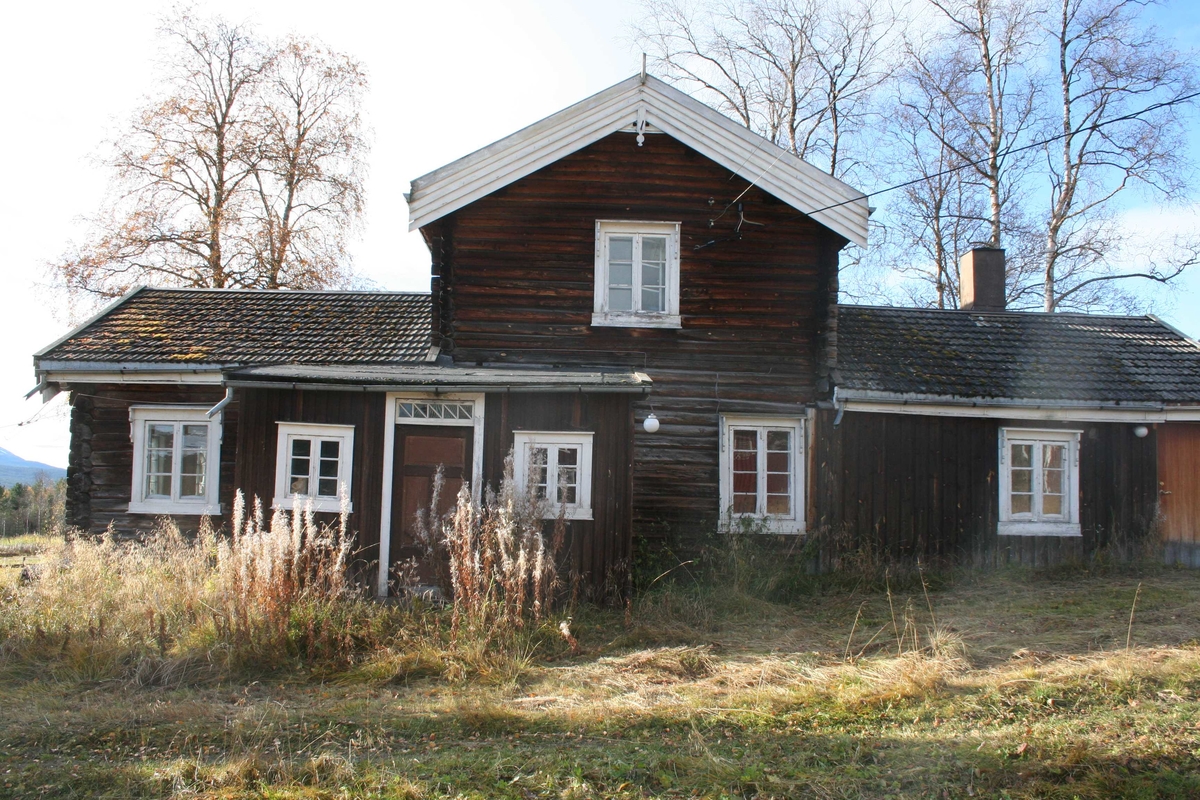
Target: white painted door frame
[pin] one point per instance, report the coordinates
(389, 457)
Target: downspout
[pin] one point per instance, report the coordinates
(840, 405)
(212, 412)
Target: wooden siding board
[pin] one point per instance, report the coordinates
(942, 472)
(595, 550)
(1179, 484)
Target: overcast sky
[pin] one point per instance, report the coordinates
(446, 79)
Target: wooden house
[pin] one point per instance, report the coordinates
(638, 296)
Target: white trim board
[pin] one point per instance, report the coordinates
(1031, 412)
(710, 133)
(213, 377)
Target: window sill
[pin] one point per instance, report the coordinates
(572, 514)
(765, 525)
(323, 505)
(161, 509)
(1030, 528)
(636, 320)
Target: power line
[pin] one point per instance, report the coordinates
(1002, 154)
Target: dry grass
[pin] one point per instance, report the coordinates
(1016, 686)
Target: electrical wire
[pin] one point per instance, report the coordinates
(1002, 154)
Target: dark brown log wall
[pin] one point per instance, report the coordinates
(598, 551)
(100, 462)
(263, 409)
(517, 272)
(922, 486)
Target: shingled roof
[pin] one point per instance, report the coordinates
(232, 326)
(1015, 356)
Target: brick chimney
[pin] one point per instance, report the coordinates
(981, 271)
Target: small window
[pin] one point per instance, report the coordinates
(558, 467)
(176, 461)
(637, 274)
(430, 412)
(1039, 482)
(762, 472)
(313, 463)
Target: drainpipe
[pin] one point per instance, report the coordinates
(212, 412)
(840, 405)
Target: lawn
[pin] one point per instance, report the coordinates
(1011, 684)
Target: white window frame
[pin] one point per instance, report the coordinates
(287, 431)
(1034, 524)
(210, 504)
(668, 318)
(553, 440)
(793, 523)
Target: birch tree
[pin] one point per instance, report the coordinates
(219, 178)
(1121, 91)
(308, 173)
(803, 73)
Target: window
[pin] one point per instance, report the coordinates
(435, 412)
(557, 466)
(637, 274)
(762, 471)
(1039, 482)
(313, 462)
(176, 461)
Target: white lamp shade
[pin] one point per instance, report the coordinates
(650, 424)
(1141, 431)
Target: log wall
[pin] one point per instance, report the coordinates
(516, 273)
(100, 462)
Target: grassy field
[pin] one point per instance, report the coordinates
(1011, 685)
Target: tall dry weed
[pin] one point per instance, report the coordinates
(494, 559)
(264, 595)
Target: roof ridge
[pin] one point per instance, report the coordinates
(283, 292)
(1005, 312)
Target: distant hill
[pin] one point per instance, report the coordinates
(14, 469)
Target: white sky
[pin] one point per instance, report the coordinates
(446, 79)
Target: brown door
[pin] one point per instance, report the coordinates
(1179, 490)
(420, 450)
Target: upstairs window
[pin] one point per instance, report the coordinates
(558, 468)
(312, 463)
(176, 461)
(637, 274)
(1039, 482)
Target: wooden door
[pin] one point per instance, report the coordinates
(1179, 490)
(419, 451)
